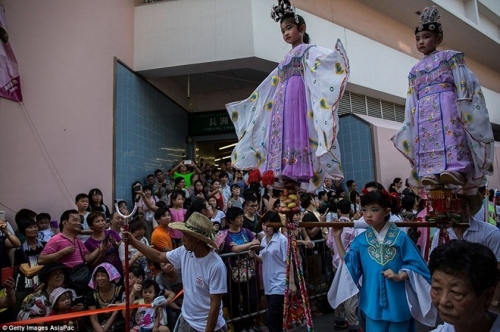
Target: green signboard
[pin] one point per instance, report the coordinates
(210, 123)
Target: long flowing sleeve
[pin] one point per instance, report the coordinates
(251, 118)
(475, 118)
(326, 73)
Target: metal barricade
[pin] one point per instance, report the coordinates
(243, 299)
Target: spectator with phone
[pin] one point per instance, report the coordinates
(181, 170)
(162, 186)
(145, 207)
(109, 240)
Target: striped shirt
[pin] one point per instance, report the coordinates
(61, 241)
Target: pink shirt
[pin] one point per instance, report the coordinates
(61, 241)
(177, 215)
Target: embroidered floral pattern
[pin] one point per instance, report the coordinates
(383, 252)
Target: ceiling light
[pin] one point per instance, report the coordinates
(227, 146)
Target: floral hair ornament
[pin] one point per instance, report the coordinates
(429, 21)
(283, 9)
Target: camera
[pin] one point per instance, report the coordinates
(164, 184)
(137, 188)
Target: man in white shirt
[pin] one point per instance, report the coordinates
(204, 275)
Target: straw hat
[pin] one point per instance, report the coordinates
(56, 293)
(198, 226)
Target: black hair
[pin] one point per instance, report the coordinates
(471, 260)
(290, 18)
(92, 217)
(306, 199)
(160, 204)
(271, 216)
(95, 191)
(176, 193)
(23, 224)
(344, 206)
(65, 215)
(42, 216)
(122, 202)
(233, 212)
(158, 171)
(150, 282)
(160, 212)
(24, 214)
(321, 194)
(99, 269)
(249, 198)
(223, 174)
(349, 183)
(197, 205)
(374, 184)
(137, 271)
(276, 204)
(332, 204)
(149, 176)
(408, 202)
(491, 195)
(112, 215)
(377, 197)
(178, 180)
(81, 196)
(136, 226)
(352, 196)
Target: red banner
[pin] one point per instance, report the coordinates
(10, 85)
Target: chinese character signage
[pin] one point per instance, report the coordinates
(210, 123)
(10, 86)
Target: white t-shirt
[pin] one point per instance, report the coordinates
(478, 231)
(274, 264)
(200, 278)
(218, 218)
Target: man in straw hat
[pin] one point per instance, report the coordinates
(203, 273)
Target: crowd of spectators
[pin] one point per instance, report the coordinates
(45, 252)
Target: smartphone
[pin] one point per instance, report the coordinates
(137, 188)
(7, 272)
(187, 162)
(2, 215)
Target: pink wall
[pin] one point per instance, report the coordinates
(65, 51)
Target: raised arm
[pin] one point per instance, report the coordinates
(150, 253)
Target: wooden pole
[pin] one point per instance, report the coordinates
(313, 224)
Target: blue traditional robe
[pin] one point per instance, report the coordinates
(381, 298)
